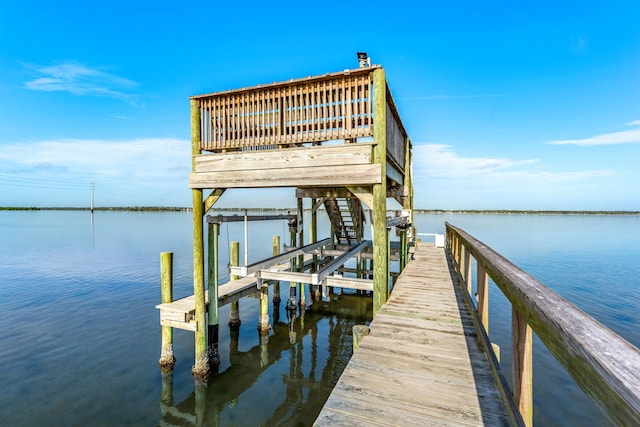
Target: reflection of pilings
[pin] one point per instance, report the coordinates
(246, 367)
(264, 350)
(166, 396)
(234, 311)
(201, 402)
(167, 358)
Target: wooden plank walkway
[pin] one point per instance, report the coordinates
(421, 364)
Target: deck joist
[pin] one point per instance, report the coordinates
(421, 364)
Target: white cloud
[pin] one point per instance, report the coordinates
(141, 157)
(631, 136)
(445, 179)
(133, 172)
(439, 160)
(81, 80)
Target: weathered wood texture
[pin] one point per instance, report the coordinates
(604, 365)
(420, 365)
(312, 110)
(332, 106)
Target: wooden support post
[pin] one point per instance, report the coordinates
(276, 285)
(301, 293)
(313, 237)
(292, 266)
(167, 358)
(263, 324)
(359, 332)
(380, 247)
(201, 367)
(213, 230)
(522, 366)
(483, 296)
(234, 310)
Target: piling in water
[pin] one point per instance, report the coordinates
(167, 358)
(234, 311)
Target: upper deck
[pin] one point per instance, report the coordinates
(334, 109)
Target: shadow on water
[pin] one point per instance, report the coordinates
(284, 379)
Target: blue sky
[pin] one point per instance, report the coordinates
(510, 105)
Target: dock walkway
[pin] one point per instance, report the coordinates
(421, 364)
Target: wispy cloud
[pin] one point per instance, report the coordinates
(439, 160)
(139, 157)
(447, 179)
(441, 96)
(81, 80)
(631, 136)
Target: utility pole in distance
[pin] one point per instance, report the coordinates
(93, 187)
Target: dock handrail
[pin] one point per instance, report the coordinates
(603, 364)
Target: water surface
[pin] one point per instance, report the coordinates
(80, 335)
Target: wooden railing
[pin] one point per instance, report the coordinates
(603, 364)
(336, 106)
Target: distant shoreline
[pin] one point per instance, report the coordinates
(427, 211)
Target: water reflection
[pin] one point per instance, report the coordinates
(284, 379)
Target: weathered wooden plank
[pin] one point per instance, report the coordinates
(317, 176)
(329, 155)
(349, 283)
(420, 363)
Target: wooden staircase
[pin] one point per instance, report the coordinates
(347, 219)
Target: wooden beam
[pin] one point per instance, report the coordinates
(349, 283)
(319, 176)
(213, 198)
(323, 193)
(394, 174)
(364, 194)
(329, 155)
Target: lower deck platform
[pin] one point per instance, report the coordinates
(420, 365)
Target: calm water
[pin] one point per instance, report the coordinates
(80, 337)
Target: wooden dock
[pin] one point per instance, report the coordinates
(421, 364)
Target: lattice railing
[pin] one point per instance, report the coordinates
(336, 106)
(312, 110)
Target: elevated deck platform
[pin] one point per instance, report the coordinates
(421, 364)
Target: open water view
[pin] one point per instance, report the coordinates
(80, 335)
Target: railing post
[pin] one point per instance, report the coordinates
(167, 358)
(521, 347)
(467, 271)
(483, 296)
